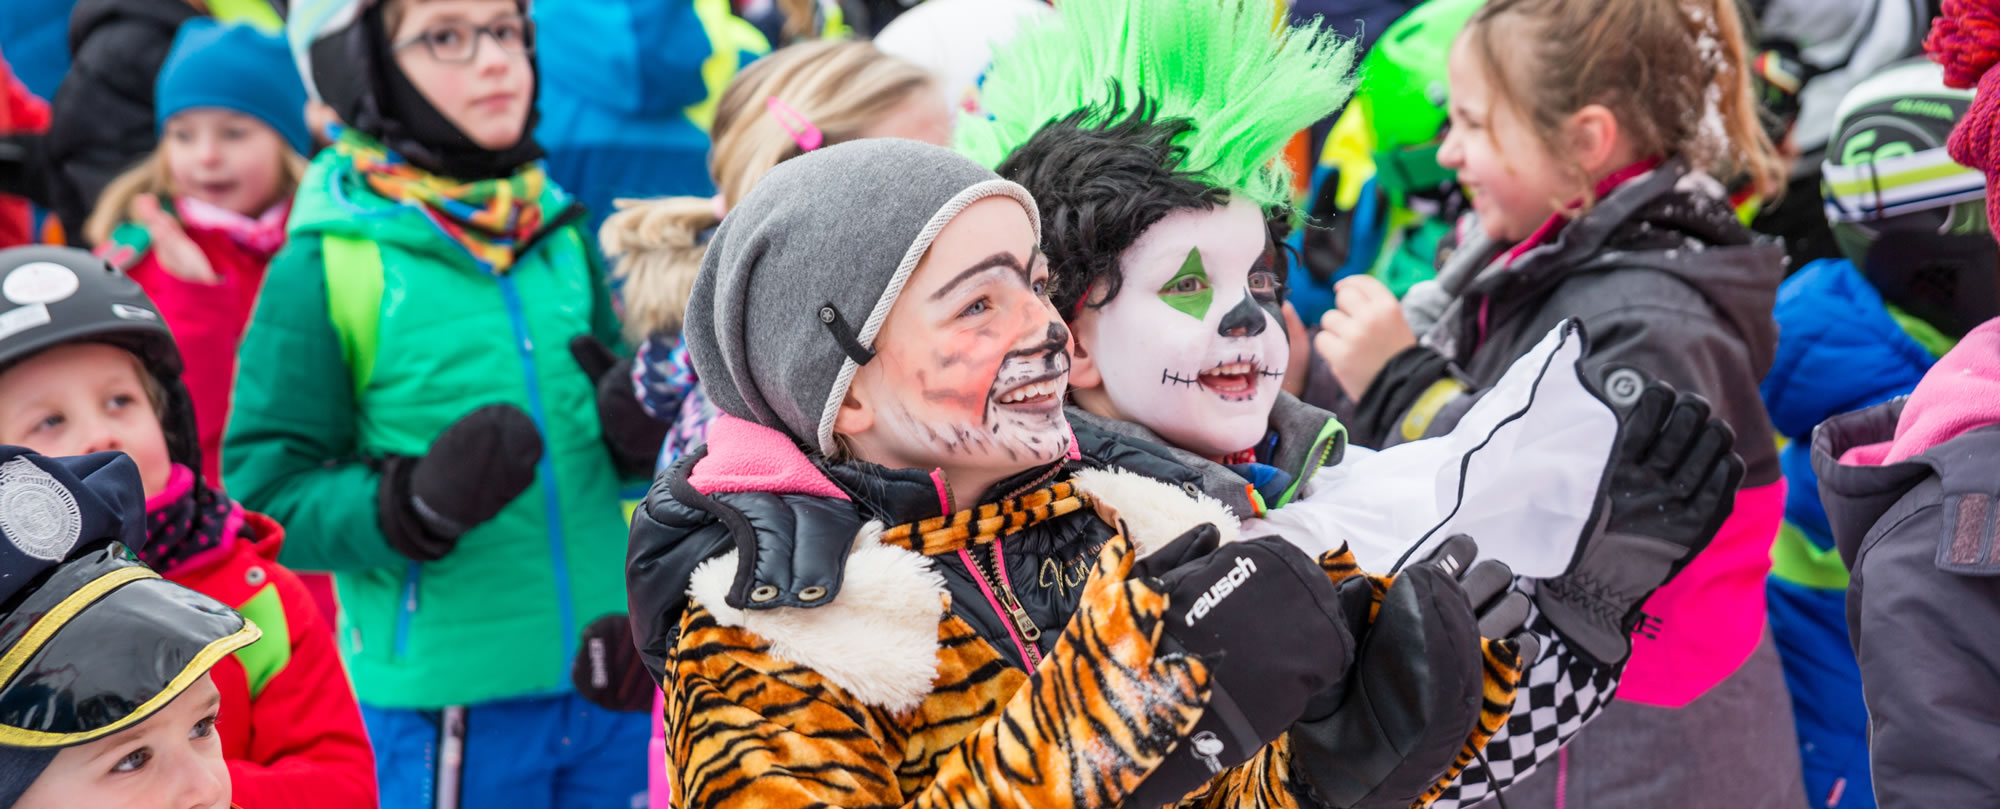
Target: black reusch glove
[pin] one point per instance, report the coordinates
(608, 671)
(1266, 621)
(1415, 697)
(473, 470)
(1671, 485)
(632, 435)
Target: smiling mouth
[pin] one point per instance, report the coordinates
(1045, 393)
(1236, 380)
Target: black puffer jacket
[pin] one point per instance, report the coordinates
(801, 541)
(101, 121)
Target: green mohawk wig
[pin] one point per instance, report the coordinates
(1247, 83)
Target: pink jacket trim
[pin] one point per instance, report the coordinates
(659, 789)
(748, 457)
(1959, 394)
(1710, 617)
(180, 482)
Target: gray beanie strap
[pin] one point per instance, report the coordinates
(829, 316)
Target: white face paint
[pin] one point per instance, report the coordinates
(1193, 347)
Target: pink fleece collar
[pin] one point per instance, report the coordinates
(747, 457)
(744, 456)
(1960, 394)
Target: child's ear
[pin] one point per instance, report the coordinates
(855, 416)
(1596, 140)
(1083, 371)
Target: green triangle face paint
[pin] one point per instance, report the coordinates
(1190, 290)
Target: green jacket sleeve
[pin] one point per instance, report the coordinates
(290, 451)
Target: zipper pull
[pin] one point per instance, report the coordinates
(1021, 620)
(1029, 632)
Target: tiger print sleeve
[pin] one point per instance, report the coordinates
(1266, 781)
(746, 728)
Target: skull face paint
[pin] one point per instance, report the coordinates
(973, 361)
(1193, 347)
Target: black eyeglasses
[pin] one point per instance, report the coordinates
(458, 42)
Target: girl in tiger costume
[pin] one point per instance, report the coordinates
(891, 579)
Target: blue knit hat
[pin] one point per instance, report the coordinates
(234, 67)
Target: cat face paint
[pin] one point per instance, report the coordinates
(1193, 347)
(973, 361)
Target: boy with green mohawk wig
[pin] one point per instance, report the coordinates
(1151, 136)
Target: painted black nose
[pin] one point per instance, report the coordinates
(1245, 320)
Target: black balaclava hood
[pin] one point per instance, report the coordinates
(380, 100)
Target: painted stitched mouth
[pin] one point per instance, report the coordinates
(1235, 380)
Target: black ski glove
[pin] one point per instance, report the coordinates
(1671, 485)
(473, 470)
(1416, 696)
(608, 671)
(1266, 621)
(633, 435)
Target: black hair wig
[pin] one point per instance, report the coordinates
(1102, 175)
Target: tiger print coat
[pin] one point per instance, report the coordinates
(899, 689)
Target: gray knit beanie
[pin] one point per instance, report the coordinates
(801, 275)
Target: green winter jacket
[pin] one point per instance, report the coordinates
(399, 349)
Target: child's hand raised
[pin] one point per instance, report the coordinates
(1364, 331)
(1296, 338)
(177, 253)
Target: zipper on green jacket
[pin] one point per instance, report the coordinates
(406, 609)
(524, 345)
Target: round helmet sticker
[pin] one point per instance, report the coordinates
(39, 282)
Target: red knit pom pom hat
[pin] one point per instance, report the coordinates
(1965, 39)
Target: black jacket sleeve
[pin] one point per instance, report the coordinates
(101, 121)
(1395, 410)
(1929, 657)
(669, 540)
(24, 168)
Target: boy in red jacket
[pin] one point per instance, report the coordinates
(88, 365)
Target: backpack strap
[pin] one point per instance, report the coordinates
(354, 301)
(258, 13)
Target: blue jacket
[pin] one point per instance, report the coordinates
(1839, 350)
(628, 90)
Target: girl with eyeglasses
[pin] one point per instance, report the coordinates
(418, 411)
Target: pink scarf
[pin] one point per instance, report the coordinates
(262, 235)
